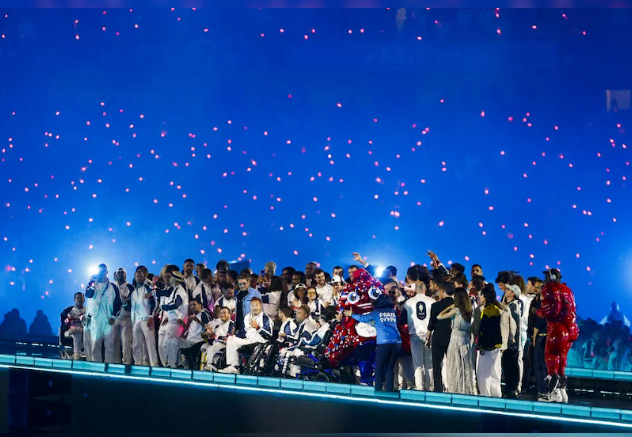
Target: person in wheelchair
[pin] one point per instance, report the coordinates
(71, 329)
(288, 325)
(190, 344)
(307, 341)
(325, 319)
(257, 329)
(217, 335)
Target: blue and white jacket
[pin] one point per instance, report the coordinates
(263, 333)
(317, 338)
(222, 329)
(316, 307)
(204, 294)
(195, 330)
(231, 304)
(191, 283)
(125, 291)
(177, 304)
(288, 327)
(304, 332)
(142, 307)
(103, 301)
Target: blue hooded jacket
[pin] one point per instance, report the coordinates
(385, 318)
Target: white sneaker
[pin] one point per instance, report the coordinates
(564, 395)
(211, 368)
(230, 369)
(554, 396)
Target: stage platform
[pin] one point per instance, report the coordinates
(351, 408)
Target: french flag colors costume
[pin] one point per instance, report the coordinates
(350, 334)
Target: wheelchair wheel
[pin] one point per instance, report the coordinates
(318, 377)
(346, 377)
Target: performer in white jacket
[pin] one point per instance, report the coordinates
(176, 307)
(122, 328)
(143, 306)
(258, 328)
(198, 323)
(219, 333)
(102, 307)
(203, 291)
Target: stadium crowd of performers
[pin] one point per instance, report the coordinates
(434, 330)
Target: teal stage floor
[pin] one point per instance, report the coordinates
(428, 403)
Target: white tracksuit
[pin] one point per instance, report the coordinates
(288, 328)
(253, 335)
(301, 334)
(271, 301)
(296, 351)
(144, 338)
(525, 304)
(175, 308)
(191, 283)
(192, 337)
(72, 317)
(418, 315)
(204, 294)
(122, 328)
(231, 304)
(102, 304)
(221, 331)
(316, 307)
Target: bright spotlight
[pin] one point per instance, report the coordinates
(93, 270)
(379, 271)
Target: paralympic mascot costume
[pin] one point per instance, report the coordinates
(353, 342)
(559, 310)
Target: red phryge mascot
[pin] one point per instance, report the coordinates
(559, 310)
(352, 337)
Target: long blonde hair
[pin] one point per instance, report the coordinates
(163, 271)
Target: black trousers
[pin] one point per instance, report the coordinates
(527, 359)
(511, 370)
(385, 356)
(438, 353)
(539, 364)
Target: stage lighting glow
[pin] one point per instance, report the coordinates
(379, 271)
(93, 270)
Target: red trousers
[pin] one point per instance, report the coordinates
(558, 343)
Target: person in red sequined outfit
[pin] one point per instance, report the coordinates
(559, 310)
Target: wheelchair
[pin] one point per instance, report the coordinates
(66, 345)
(254, 359)
(218, 360)
(66, 349)
(192, 356)
(262, 360)
(314, 366)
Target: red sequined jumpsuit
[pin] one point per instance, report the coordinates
(559, 310)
